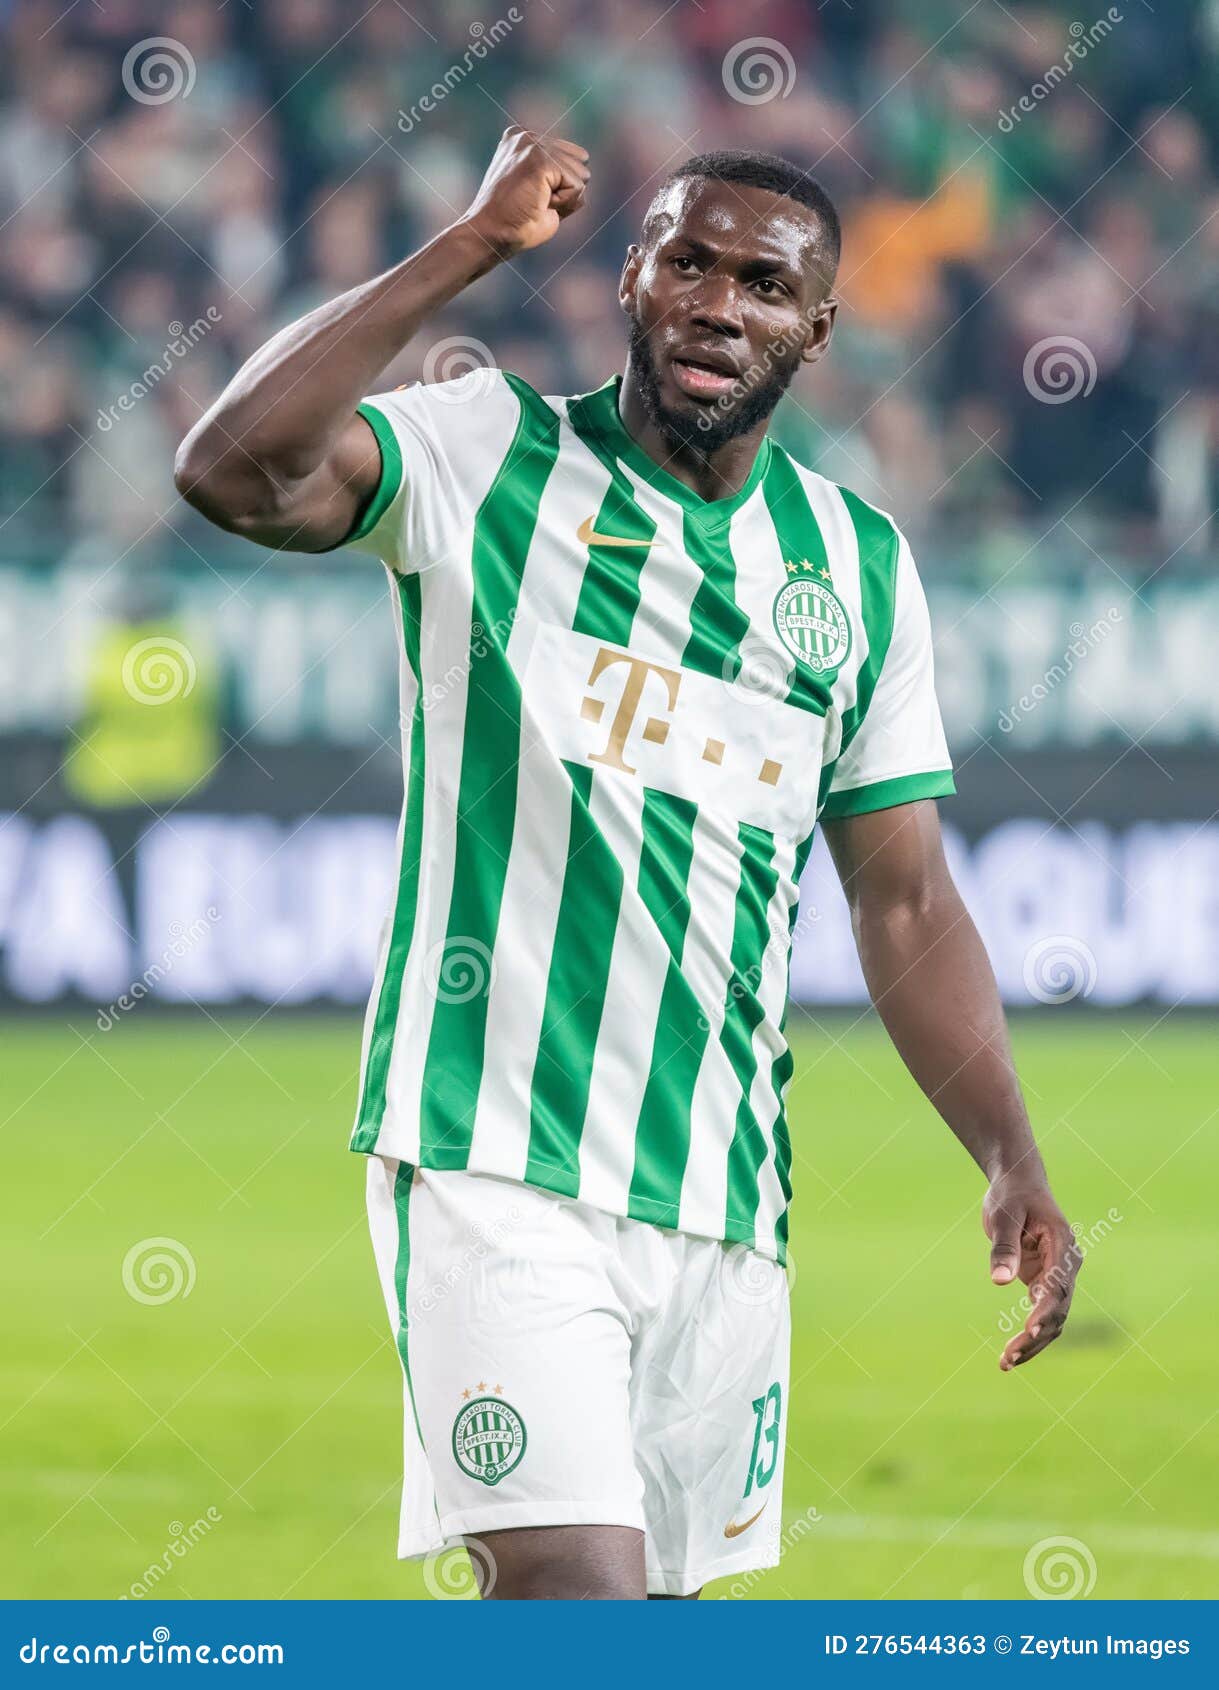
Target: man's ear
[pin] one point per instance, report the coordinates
(821, 329)
(629, 278)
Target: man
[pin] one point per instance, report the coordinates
(642, 652)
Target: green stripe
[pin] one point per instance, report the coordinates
(883, 794)
(593, 880)
(662, 1133)
(717, 622)
(403, 1180)
(609, 592)
(391, 473)
(601, 408)
(575, 996)
(799, 532)
(380, 1048)
(878, 548)
(783, 1065)
(662, 1139)
(486, 797)
(800, 541)
(743, 1012)
(781, 1231)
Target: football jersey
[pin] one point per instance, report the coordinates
(624, 708)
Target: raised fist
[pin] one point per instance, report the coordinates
(529, 187)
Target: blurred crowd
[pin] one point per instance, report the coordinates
(1025, 370)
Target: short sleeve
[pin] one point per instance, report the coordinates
(898, 751)
(441, 447)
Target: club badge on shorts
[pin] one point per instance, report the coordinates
(488, 1439)
(810, 620)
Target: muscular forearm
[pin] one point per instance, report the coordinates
(282, 416)
(282, 457)
(933, 987)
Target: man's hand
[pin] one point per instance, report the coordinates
(1031, 1240)
(530, 186)
(282, 457)
(935, 992)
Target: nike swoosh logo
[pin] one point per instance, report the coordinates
(732, 1530)
(588, 536)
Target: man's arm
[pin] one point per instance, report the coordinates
(282, 457)
(932, 985)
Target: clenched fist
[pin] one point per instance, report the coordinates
(529, 187)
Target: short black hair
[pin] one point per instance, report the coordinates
(777, 175)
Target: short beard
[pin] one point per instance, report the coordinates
(711, 427)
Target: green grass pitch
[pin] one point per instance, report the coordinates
(245, 1438)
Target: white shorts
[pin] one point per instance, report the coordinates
(564, 1366)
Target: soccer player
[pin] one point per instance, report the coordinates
(643, 651)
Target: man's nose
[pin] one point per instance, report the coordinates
(718, 306)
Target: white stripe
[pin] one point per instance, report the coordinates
(533, 886)
(408, 691)
(769, 1043)
(444, 651)
(447, 592)
(842, 548)
(418, 1519)
(637, 970)
(640, 959)
(669, 580)
(706, 963)
(761, 573)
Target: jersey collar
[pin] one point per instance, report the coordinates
(602, 408)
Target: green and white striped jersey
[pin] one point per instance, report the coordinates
(623, 709)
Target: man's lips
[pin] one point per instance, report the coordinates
(702, 377)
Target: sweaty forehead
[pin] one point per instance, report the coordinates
(752, 222)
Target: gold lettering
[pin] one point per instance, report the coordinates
(655, 730)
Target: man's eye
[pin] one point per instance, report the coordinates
(768, 287)
(684, 263)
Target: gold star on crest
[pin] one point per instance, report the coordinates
(482, 1384)
(793, 568)
(824, 574)
(466, 1394)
